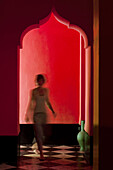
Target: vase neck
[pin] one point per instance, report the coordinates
(82, 125)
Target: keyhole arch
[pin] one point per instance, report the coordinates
(82, 72)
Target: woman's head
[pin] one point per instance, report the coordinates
(40, 79)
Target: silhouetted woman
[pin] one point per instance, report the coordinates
(39, 99)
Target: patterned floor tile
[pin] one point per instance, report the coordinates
(80, 156)
(64, 147)
(64, 168)
(76, 159)
(48, 164)
(74, 149)
(56, 157)
(31, 161)
(32, 167)
(34, 155)
(63, 161)
(63, 156)
(36, 152)
(78, 164)
(81, 152)
(22, 146)
(63, 151)
(45, 147)
(51, 153)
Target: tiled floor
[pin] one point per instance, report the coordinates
(56, 158)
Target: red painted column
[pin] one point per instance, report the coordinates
(88, 116)
(82, 80)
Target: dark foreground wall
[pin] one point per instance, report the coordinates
(106, 85)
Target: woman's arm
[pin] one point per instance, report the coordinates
(50, 107)
(31, 106)
(48, 102)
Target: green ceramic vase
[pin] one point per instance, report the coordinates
(83, 138)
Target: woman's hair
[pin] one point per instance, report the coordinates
(40, 76)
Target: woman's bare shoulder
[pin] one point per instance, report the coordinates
(34, 90)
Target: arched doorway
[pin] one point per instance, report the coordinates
(59, 50)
